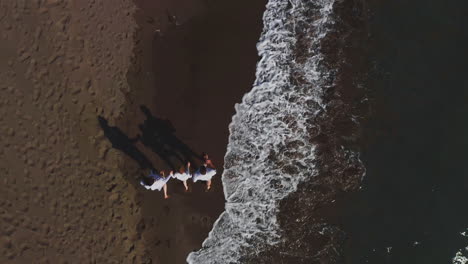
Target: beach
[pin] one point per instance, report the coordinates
(337, 129)
(193, 67)
(74, 78)
(64, 198)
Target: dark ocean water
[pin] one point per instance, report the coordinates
(413, 205)
(293, 153)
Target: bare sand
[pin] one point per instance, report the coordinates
(63, 196)
(66, 195)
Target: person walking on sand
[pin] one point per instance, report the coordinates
(157, 182)
(205, 172)
(207, 162)
(183, 175)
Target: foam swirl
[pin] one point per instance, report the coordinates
(270, 151)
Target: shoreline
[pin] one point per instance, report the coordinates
(176, 74)
(311, 218)
(86, 86)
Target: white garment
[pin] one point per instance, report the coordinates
(197, 176)
(182, 176)
(157, 185)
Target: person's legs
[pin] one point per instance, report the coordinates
(185, 185)
(165, 191)
(208, 185)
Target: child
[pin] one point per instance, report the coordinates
(205, 172)
(183, 175)
(157, 182)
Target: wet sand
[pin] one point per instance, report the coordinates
(194, 61)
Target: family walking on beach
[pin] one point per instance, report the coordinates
(159, 135)
(159, 181)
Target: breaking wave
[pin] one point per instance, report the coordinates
(270, 150)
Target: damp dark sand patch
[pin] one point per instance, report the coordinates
(192, 63)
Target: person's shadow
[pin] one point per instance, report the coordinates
(125, 144)
(154, 142)
(158, 134)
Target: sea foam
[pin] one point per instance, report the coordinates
(461, 255)
(269, 151)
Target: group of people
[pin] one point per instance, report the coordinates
(205, 172)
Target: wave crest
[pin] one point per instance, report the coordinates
(270, 148)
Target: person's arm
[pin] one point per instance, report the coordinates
(209, 163)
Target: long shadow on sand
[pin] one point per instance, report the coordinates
(125, 144)
(158, 135)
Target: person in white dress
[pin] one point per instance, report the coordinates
(205, 172)
(183, 175)
(157, 182)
